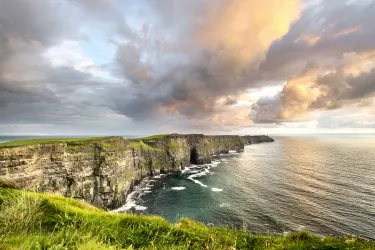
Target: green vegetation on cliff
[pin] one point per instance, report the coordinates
(70, 141)
(155, 137)
(30, 220)
(138, 145)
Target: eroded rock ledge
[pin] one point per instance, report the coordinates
(103, 171)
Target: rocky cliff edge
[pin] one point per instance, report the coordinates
(103, 171)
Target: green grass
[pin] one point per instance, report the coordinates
(141, 145)
(31, 220)
(155, 137)
(72, 142)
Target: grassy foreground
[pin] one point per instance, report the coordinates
(69, 141)
(38, 221)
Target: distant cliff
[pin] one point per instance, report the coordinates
(254, 139)
(103, 171)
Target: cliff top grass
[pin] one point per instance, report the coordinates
(155, 137)
(139, 144)
(69, 141)
(30, 220)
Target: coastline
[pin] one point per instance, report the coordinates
(104, 171)
(94, 226)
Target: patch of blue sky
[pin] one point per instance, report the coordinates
(98, 48)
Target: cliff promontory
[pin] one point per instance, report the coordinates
(102, 171)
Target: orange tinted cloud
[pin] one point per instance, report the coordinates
(242, 30)
(347, 31)
(310, 39)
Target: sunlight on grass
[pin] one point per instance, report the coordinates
(30, 220)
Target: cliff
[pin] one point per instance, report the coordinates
(254, 139)
(102, 171)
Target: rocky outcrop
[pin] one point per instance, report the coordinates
(102, 172)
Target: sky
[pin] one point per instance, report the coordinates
(140, 67)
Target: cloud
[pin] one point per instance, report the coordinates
(129, 60)
(319, 87)
(215, 52)
(322, 33)
(184, 65)
(106, 13)
(34, 89)
(327, 59)
(230, 101)
(347, 31)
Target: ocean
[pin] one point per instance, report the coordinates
(323, 184)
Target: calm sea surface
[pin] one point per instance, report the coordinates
(323, 184)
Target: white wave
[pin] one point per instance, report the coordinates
(137, 207)
(147, 191)
(215, 163)
(185, 170)
(224, 205)
(159, 176)
(178, 188)
(232, 151)
(137, 193)
(129, 204)
(217, 189)
(200, 174)
(193, 171)
(191, 177)
(198, 182)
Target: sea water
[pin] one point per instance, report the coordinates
(324, 184)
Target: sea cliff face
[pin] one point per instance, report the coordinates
(102, 172)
